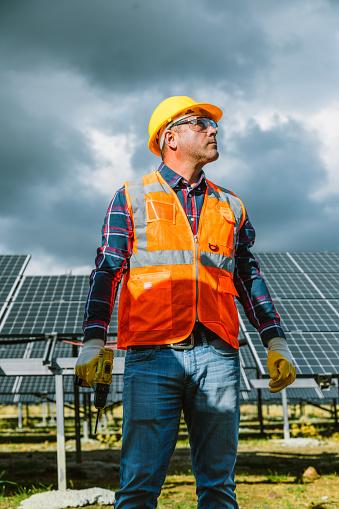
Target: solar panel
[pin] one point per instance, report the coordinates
(46, 304)
(275, 262)
(13, 265)
(290, 286)
(246, 357)
(302, 315)
(34, 318)
(314, 353)
(6, 384)
(317, 262)
(12, 351)
(54, 289)
(7, 284)
(294, 396)
(328, 284)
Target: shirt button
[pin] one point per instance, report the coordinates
(192, 219)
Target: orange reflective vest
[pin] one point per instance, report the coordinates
(174, 277)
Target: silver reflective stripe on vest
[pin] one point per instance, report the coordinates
(136, 192)
(156, 187)
(144, 258)
(151, 258)
(216, 260)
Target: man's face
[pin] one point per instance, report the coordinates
(198, 145)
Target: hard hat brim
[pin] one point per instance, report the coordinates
(197, 109)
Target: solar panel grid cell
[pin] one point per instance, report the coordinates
(294, 396)
(15, 351)
(6, 384)
(44, 318)
(54, 289)
(315, 315)
(302, 315)
(12, 265)
(313, 353)
(328, 284)
(246, 357)
(289, 286)
(275, 263)
(6, 286)
(46, 304)
(37, 384)
(321, 262)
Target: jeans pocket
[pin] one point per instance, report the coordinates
(222, 348)
(138, 355)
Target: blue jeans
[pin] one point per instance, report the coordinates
(158, 385)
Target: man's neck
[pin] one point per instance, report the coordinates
(189, 172)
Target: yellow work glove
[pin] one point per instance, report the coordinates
(280, 364)
(87, 362)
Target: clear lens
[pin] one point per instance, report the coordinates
(200, 124)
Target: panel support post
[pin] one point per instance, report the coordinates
(77, 420)
(285, 414)
(260, 414)
(61, 451)
(44, 413)
(20, 416)
(85, 420)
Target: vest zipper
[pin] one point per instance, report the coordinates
(195, 237)
(197, 278)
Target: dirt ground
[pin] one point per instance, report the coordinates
(268, 474)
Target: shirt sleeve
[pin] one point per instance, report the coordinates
(110, 264)
(251, 287)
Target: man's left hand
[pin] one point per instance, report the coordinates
(280, 365)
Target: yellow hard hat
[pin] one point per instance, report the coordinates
(171, 108)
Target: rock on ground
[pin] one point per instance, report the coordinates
(68, 498)
(310, 474)
(298, 442)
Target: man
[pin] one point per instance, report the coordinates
(182, 244)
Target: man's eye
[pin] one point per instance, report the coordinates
(200, 124)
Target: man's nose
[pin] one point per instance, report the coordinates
(212, 130)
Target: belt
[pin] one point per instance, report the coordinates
(194, 339)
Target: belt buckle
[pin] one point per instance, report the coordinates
(177, 346)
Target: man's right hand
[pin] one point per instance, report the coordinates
(87, 362)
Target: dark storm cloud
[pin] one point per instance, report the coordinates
(68, 67)
(42, 207)
(36, 153)
(127, 44)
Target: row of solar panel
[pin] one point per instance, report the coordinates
(44, 304)
(31, 314)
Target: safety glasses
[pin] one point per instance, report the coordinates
(200, 124)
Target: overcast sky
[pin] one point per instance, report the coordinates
(80, 79)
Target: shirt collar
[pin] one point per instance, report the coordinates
(173, 179)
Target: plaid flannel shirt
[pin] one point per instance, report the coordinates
(113, 259)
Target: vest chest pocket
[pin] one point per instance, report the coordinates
(157, 210)
(221, 238)
(151, 301)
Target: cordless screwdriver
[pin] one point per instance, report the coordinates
(102, 381)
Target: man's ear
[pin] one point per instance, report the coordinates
(170, 139)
